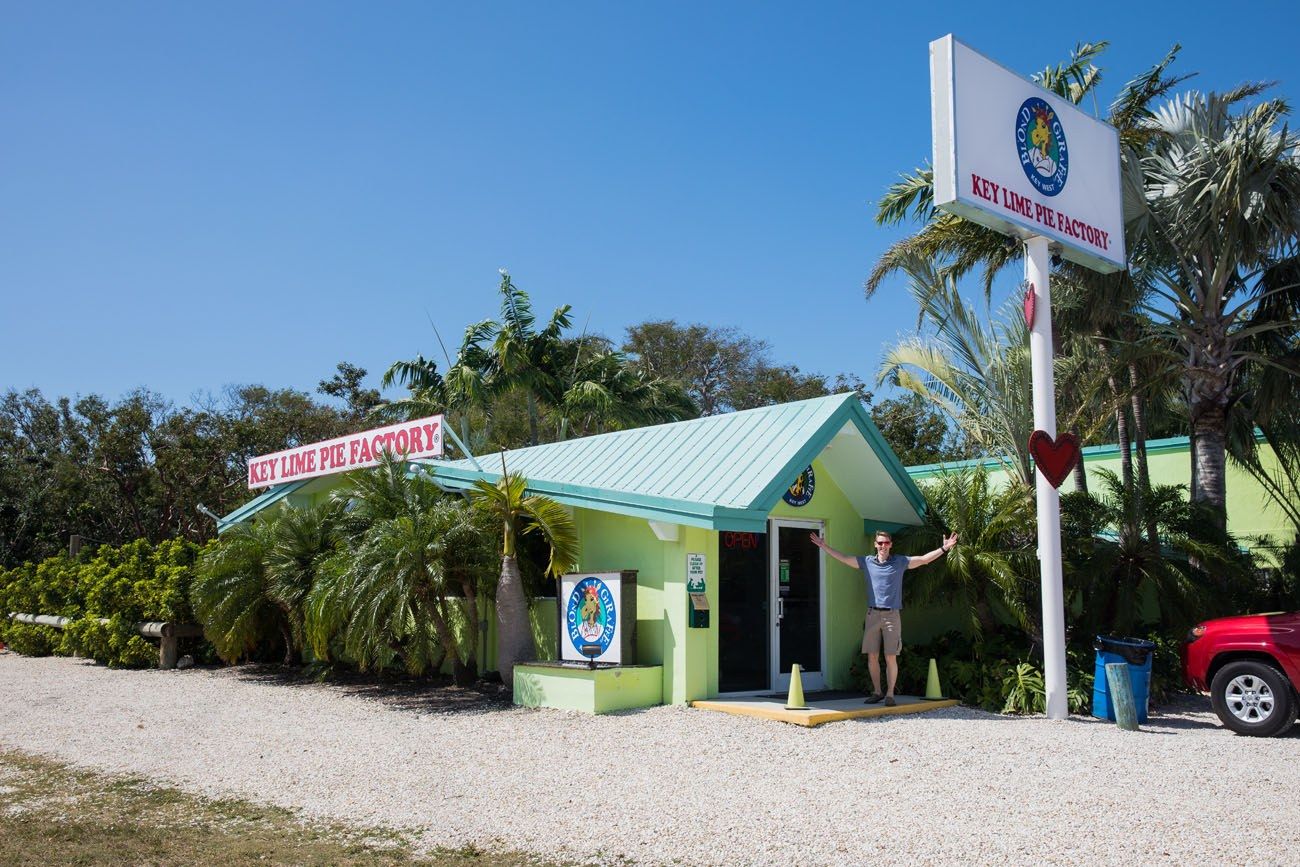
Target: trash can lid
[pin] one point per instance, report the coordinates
(1112, 641)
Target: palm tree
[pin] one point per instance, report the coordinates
(602, 390)
(517, 512)
(990, 574)
(1223, 196)
(978, 374)
(1113, 569)
(497, 359)
(251, 584)
(411, 579)
(521, 358)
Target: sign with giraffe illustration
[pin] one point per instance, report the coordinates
(1022, 160)
(591, 621)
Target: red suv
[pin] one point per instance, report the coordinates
(1251, 667)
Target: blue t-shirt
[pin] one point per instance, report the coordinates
(884, 580)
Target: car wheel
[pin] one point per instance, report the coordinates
(1253, 698)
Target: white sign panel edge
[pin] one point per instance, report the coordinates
(950, 195)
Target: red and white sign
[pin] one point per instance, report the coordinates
(1023, 161)
(421, 438)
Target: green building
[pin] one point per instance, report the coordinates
(735, 496)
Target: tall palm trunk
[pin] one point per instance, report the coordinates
(1209, 374)
(1209, 450)
(1143, 467)
(1080, 471)
(532, 419)
(1121, 432)
(514, 637)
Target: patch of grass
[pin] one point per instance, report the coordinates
(51, 813)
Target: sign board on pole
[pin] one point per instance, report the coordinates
(1022, 161)
(421, 438)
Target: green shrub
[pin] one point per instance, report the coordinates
(131, 583)
(31, 640)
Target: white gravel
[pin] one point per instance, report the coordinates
(676, 785)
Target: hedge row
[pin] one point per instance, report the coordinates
(135, 582)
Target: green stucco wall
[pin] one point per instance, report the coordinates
(1251, 512)
(598, 690)
(689, 656)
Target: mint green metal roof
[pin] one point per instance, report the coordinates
(269, 497)
(723, 472)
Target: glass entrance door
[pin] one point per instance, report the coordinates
(744, 603)
(795, 566)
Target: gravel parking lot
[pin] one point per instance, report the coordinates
(676, 785)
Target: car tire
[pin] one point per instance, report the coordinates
(1253, 698)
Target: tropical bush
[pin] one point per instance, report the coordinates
(124, 585)
(252, 584)
(404, 586)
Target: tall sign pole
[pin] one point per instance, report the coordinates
(1020, 160)
(1038, 267)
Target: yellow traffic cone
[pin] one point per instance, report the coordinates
(932, 689)
(794, 700)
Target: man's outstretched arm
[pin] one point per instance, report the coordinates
(838, 555)
(948, 544)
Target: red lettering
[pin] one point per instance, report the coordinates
(431, 435)
(402, 441)
(354, 449)
(416, 440)
(364, 455)
(984, 188)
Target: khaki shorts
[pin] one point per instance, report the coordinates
(884, 628)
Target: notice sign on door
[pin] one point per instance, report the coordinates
(694, 573)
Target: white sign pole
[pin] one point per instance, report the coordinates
(1038, 274)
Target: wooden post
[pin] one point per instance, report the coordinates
(167, 652)
(1121, 695)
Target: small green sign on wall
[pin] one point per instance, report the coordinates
(694, 573)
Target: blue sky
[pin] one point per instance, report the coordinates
(193, 195)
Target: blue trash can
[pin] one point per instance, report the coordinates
(1137, 653)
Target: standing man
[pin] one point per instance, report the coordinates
(884, 577)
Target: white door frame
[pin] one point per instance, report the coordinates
(810, 679)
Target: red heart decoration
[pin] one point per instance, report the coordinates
(1054, 459)
(1030, 303)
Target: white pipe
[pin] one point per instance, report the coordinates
(1038, 274)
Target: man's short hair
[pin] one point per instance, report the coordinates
(884, 533)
